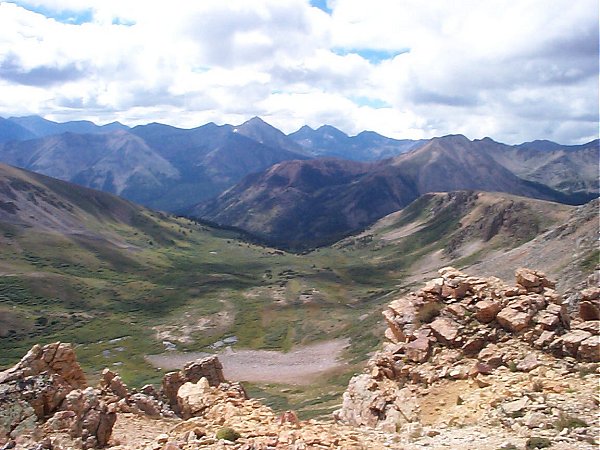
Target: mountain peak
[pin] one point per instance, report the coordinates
(255, 121)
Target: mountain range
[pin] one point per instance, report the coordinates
(299, 190)
(299, 204)
(124, 282)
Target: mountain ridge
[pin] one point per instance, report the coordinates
(293, 204)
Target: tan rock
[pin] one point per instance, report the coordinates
(572, 340)
(547, 320)
(532, 280)
(111, 382)
(209, 368)
(445, 330)
(591, 326)
(589, 349)
(512, 320)
(419, 349)
(491, 355)
(528, 363)
(433, 286)
(487, 310)
(193, 398)
(545, 339)
(592, 293)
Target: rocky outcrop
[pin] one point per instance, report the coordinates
(52, 359)
(147, 402)
(47, 389)
(85, 416)
(209, 368)
(459, 327)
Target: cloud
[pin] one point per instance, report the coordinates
(514, 71)
(11, 69)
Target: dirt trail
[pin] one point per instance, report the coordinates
(301, 365)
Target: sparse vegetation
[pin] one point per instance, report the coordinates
(537, 386)
(227, 433)
(567, 421)
(429, 311)
(537, 442)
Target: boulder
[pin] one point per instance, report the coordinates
(491, 355)
(533, 280)
(419, 349)
(86, 417)
(49, 383)
(572, 340)
(112, 383)
(589, 349)
(591, 326)
(528, 363)
(445, 330)
(209, 368)
(589, 310)
(512, 320)
(57, 358)
(487, 310)
(193, 398)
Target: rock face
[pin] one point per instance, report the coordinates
(459, 327)
(57, 358)
(49, 385)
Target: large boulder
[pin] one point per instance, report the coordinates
(87, 417)
(57, 358)
(209, 368)
(47, 388)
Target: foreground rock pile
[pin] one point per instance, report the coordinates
(470, 363)
(48, 388)
(508, 355)
(45, 403)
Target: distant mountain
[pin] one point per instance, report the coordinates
(40, 127)
(567, 168)
(305, 203)
(116, 162)
(11, 131)
(157, 165)
(263, 133)
(328, 141)
(172, 169)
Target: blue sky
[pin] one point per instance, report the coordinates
(515, 71)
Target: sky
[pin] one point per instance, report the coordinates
(511, 70)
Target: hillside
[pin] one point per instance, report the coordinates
(304, 204)
(132, 288)
(484, 233)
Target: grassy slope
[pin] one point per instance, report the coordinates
(197, 285)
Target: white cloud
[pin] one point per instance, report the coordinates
(512, 70)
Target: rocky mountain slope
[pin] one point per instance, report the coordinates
(489, 233)
(470, 363)
(507, 365)
(571, 168)
(303, 204)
